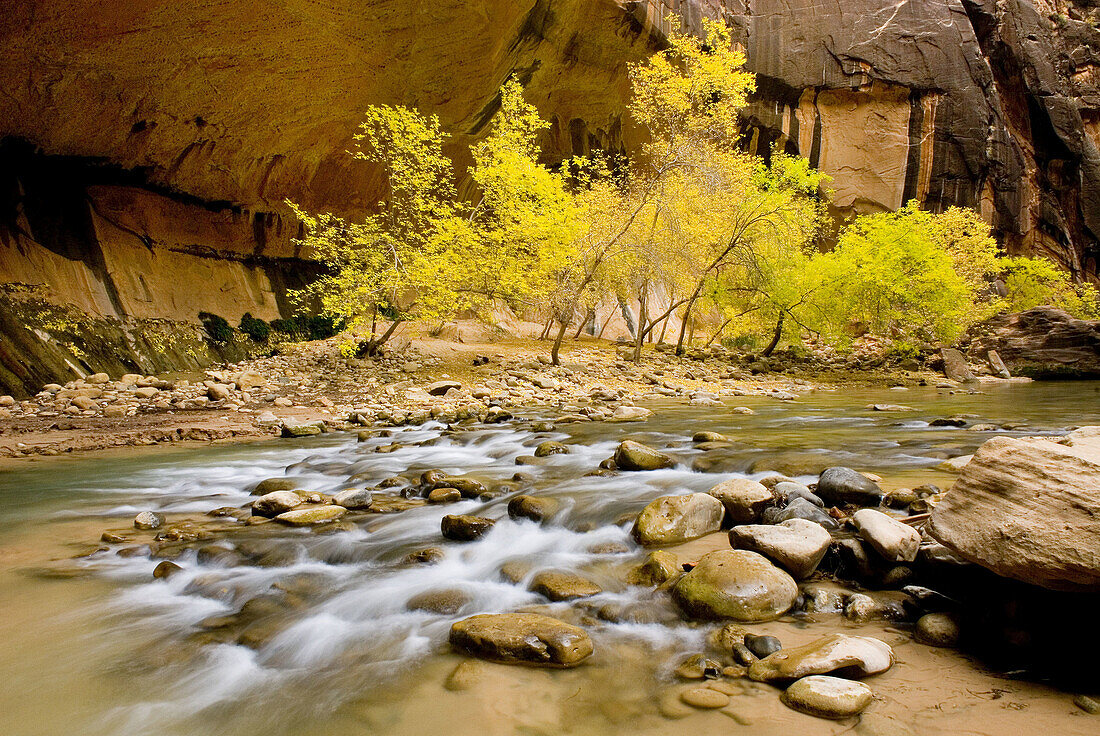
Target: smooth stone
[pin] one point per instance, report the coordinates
(522, 638)
(893, 540)
(744, 499)
(631, 455)
(275, 503)
(675, 519)
(301, 430)
(796, 545)
(165, 569)
(312, 516)
(844, 485)
(355, 498)
(704, 698)
(444, 602)
(790, 490)
(855, 656)
(800, 508)
(630, 414)
(659, 567)
(440, 388)
(464, 528)
(147, 520)
(548, 448)
(699, 667)
(534, 508)
(445, 495)
(762, 646)
(699, 437)
(828, 697)
(563, 586)
(276, 484)
(735, 584)
(937, 630)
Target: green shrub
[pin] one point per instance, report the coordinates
(317, 327)
(256, 329)
(217, 328)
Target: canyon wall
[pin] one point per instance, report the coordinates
(148, 146)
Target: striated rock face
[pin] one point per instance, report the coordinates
(146, 149)
(1041, 342)
(1028, 509)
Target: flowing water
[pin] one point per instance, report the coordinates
(92, 644)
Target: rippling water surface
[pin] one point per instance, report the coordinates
(102, 648)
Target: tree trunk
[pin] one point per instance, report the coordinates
(775, 338)
(687, 316)
(557, 342)
(546, 330)
(716, 334)
(643, 317)
(588, 317)
(606, 322)
(374, 347)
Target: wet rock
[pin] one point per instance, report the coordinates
(112, 538)
(699, 667)
(735, 584)
(1087, 704)
(217, 555)
(444, 495)
(828, 697)
(631, 455)
(659, 567)
(275, 503)
(301, 430)
(563, 586)
(1042, 342)
(354, 498)
(860, 607)
(165, 569)
(630, 414)
(1028, 509)
(464, 528)
(955, 464)
(674, 519)
(937, 630)
(468, 487)
(548, 448)
(796, 545)
(762, 646)
(789, 490)
(312, 516)
(893, 540)
(534, 508)
(276, 484)
(148, 520)
(522, 638)
(700, 437)
(955, 367)
(947, 422)
(426, 556)
(800, 508)
(846, 656)
(844, 485)
(444, 602)
(704, 698)
(743, 499)
(792, 464)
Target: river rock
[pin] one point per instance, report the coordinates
(535, 508)
(895, 541)
(704, 698)
(788, 491)
(302, 430)
(735, 584)
(440, 388)
(849, 656)
(762, 646)
(1028, 509)
(445, 602)
(275, 503)
(675, 519)
(955, 367)
(165, 569)
(743, 499)
(631, 455)
(827, 697)
(548, 448)
(563, 586)
(147, 520)
(800, 508)
(796, 545)
(660, 566)
(937, 630)
(444, 495)
(312, 516)
(354, 498)
(522, 638)
(841, 485)
(464, 528)
(630, 414)
(705, 436)
(276, 484)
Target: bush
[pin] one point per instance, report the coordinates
(317, 327)
(256, 329)
(217, 328)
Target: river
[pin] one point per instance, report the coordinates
(94, 645)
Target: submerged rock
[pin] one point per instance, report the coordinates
(563, 586)
(630, 414)
(464, 528)
(548, 448)
(522, 638)
(844, 485)
(659, 567)
(276, 484)
(893, 540)
(1028, 509)
(796, 545)
(445, 602)
(631, 455)
(534, 508)
(735, 584)
(744, 499)
(828, 697)
(850, 656)
(674, 519)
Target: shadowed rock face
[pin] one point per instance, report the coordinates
(182, 127)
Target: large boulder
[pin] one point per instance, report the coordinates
(631, 455)
(744, 499)
(955, 366)
(1041, 342)
(796, 545)
(844, 485)
(848, 656)
(675, 519)
(1028, 508)
(522, 638)
(735, 584)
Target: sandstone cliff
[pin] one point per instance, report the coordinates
(149, 145)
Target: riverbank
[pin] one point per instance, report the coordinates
(311, 383)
